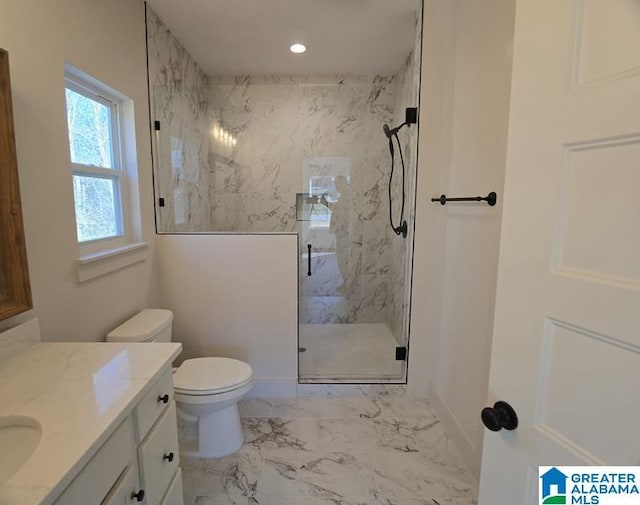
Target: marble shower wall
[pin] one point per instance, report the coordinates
(293, 133)
(407, 94)
(232, 153)
(180, 102)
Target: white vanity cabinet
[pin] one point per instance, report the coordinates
(157, 439)
(139, 462)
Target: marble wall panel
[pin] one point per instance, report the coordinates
(179, 99)
(400, 259)
(290, 130)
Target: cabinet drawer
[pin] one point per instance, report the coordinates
(153, 404)
(174, 493)
(157, 466)
(96, 479)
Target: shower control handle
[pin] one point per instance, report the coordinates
(309, 260)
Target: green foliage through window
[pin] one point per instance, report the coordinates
(90, 131)
(93, 148)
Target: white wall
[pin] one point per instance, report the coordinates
(235, 296)
(463, 137)
(105, 39)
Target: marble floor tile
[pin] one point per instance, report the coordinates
(322, 407)
(364, 450)
(307, 500)
(362, 436)
(234, 476)
(435, 443)
(400, 406)
(334, 475)
(351, 390)
(227, 500)
(271, 433)
(412, 475)
(255, 407)
(301, 500)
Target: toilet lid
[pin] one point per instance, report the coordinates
(200, 376)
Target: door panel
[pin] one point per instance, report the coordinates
(566, 347)
(608, 39)
(593, 198)
(570, 360)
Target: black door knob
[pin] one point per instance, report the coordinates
(501, 415)
(163, 398)
(168, 457)
(139, 496)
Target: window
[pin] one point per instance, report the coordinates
(104, 170)
(99, 178)
(320, 213)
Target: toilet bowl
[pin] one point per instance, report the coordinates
(209, 389)
(206, 390)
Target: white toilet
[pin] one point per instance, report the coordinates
(208, 389)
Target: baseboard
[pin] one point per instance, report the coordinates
(471, 452)
(273, 387)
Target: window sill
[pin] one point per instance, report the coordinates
(94, 265)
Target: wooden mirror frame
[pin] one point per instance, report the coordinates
(15, 289)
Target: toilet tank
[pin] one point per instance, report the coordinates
(150, 325)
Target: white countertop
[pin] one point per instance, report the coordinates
(79, 393)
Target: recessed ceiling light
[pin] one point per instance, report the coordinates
(298, 48)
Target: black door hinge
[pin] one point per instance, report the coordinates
(156, 125)
(160, 202)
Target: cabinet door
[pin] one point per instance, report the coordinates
(159, 457)
(125, 488)
(174, 493)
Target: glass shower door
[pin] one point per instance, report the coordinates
(344, 334)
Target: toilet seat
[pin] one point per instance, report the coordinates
(211, 376)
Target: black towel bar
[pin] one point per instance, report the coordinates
(491, 199)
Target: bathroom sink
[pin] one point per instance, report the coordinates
(19, 438)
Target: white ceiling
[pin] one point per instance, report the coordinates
(252, 37)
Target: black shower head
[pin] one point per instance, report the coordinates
(391, 131)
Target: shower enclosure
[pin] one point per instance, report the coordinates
(303, 154)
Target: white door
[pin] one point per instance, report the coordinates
(566, 348)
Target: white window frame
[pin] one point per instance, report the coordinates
(118, 173)
(102, 256)
(323, 224)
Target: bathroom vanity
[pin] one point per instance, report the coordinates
(89, 423)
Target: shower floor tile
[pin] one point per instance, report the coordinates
(348, 352)
(383, 451)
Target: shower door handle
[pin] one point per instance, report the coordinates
(309, 260)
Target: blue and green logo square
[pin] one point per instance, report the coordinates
(554, 487)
